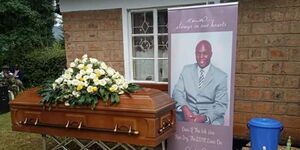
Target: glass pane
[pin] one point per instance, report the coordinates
(143, 70)
(163, 70)
(163, 46)
(143, 47)
(142, 22)
(162, 21)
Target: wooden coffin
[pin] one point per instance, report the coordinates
(146, 118)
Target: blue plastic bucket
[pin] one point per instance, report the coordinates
(264, 133)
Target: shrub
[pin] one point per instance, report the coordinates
(43, 64)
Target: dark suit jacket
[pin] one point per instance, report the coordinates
(210, 100)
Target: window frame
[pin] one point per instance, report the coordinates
(155, 35)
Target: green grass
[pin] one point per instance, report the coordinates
(11, 140)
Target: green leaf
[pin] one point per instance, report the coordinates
(115, 98)
(45, 99)
(81, 100)
(102, 91)
(105, 96)
(94, 103)
(133, 87)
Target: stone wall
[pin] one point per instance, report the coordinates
(268, 65)
(96, 33)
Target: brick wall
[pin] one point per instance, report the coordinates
(268, 57)
(96, 33)
(268, 65)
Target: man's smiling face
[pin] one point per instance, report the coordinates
(203, 53)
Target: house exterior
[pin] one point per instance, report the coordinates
(267, 84)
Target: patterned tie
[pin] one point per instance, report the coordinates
(201, 78)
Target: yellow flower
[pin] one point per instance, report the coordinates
(79, 87)
(81, 79)
(98, 75)
(85, 68)
(112, 89)
(95, 89)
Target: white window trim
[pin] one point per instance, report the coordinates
(128, 59)
(125, 14)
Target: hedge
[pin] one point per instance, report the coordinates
(43, 64)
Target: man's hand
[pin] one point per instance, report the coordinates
(188, 114)
(200, 118)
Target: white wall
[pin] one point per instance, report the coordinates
(78, 5)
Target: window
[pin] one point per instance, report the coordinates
(149, 45)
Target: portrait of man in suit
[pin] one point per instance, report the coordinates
(201, 90)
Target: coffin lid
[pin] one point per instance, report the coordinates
(146, 100)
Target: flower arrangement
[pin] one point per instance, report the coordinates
(86, 81)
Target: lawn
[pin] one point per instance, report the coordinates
(11, 140)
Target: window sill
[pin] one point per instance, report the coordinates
(162, 87)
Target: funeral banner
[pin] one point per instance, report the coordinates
(202, 67)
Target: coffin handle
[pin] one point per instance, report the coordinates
(25, 121)
(36, 121)
(79, 126)
(129, 130)
(165, 126)
(116, 128)
(67, 125)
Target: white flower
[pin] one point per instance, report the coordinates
(125, 85)
(59, 80)
(90, 65)
(76, 94)
(80, 66)
(69, 82)
(116, 75)
(110, 71)
(96, 81)
(76, 61)
(89, 89)
(93, 60)
(114, 86)
(85, 84)
(102, 82)
(121, 92)
(54, 86)
(75, 82)
(97, 71)
(93, 76)
(84, 60)
(66, 76)
(67, 103)
(108, 80)
(85, 78)
(70, 70)
(84, 56)
(102, 72)
(103, 66)
(89, 71)
(78, 76)
(61, 85)
(82, 72)
(72, 64)
(119, 81)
